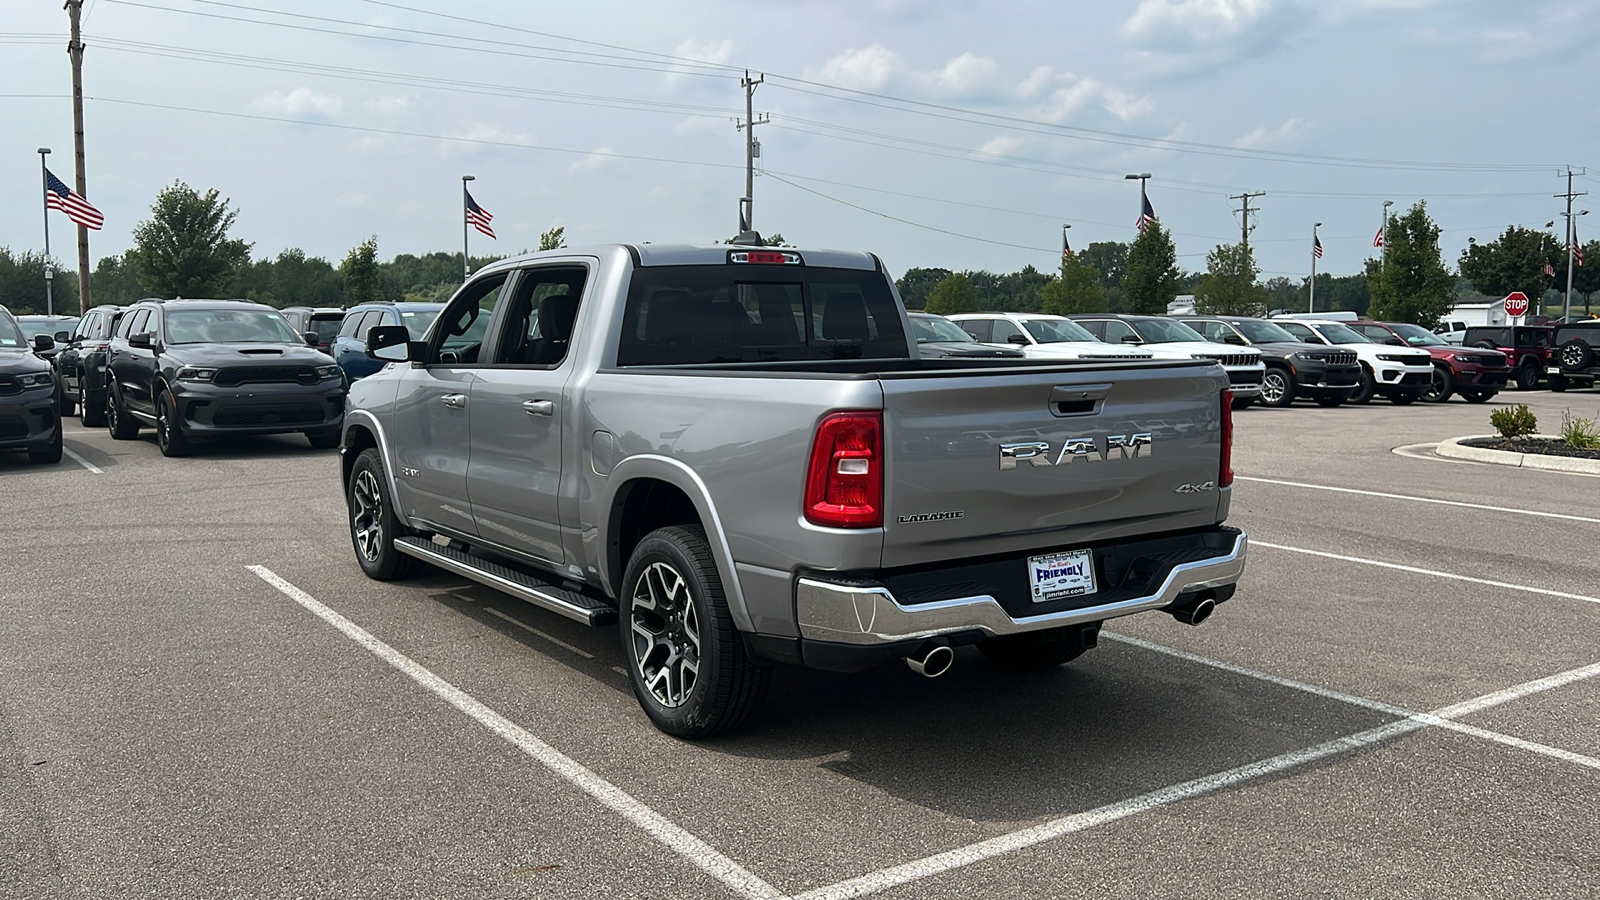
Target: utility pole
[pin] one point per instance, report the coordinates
(1244, 227)
(1566, 304)
(752, 149)
(75, 53)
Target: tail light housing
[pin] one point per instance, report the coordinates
(1225, 471)
(844, 481)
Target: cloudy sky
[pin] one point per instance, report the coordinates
(934, 132)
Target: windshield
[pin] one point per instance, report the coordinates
(928, 330)
(233, 326)
(417, 321)
(9, 335)
(1342, 334)
(1417, 336)
(1264, 333)
(1054, 331)
(31, 329)
(1165, 331)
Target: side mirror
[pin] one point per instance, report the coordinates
(142, 339)
(1020, 339)
(312, 338)
(1231, 338)
(1131, 339)
(390, 343)
(43, 342)
(63, 337)
(1394, 341)
(1310, 339)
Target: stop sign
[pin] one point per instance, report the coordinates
(1516, 303)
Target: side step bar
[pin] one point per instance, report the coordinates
(573, 605)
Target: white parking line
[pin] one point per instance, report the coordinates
(940, 863)
(83, 462)
(1408, 497)
(702, 855)
(1434, 572)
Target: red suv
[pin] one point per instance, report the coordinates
(1475, 373)
(1526, 346)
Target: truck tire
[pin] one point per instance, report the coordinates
(93, 409)
(123, 427)
(1527, 376)
(1558, 383)
(1477, 396)
(1035, 650)
(1277, 388)
(373, 524)
(690, 671)
(1368, 386)
(169, 429)
(1443, 386)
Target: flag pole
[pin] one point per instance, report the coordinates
(1311, 304)
(466, 261)
(44, 183)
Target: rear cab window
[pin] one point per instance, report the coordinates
(698, 315)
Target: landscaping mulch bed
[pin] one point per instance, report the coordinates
(1541, 445)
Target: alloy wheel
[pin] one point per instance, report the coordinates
(666, 634)
(366, 519)
(1272, 388)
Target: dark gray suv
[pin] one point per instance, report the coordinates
(30, 398)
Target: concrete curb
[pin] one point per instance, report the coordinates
(1453, 449)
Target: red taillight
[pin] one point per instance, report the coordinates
(844, 483)
(1225, 473)
(102, 348)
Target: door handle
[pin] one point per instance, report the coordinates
(539, 407)
(454, 401)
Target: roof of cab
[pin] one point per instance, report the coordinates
(694, 255)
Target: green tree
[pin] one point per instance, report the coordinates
(363, 283)
(915, 285)
(1411, 283)
(1285, 293)
(115, 280)
(1514, 262)
(1229, 287)
(22, 284)
(1151, 279)
(1585, 278)
(1109, 258)
(554, 239)
(954, 294)
(183, 249)
(1076, 290)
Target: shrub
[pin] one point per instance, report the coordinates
(1514, 421)
(1579, 433)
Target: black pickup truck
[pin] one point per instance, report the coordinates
(1295, 369)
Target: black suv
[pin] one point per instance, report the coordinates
(1575, 361)
(81, 364)
(1328, 375)
(30, 399)
(207, 368)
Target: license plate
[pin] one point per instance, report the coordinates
(1552, 370)
(1057, 576)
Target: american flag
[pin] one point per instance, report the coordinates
(1549, 270)
(478, 217)
(1377, 239)
(1316, 246)
(1147, 216)
(58, 196)
(1066, 248)
(1577, 249)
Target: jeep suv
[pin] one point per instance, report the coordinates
(1398, 374)
(206, 368)
(1474, 372)
(1575, 361)
(30, 399)
(1171, 339)
(1526, 348)
(1327, 375)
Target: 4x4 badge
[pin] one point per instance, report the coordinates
(1200, 488)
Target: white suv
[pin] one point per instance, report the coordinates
(1399, 373)
(1041, 336)
(1171, 339)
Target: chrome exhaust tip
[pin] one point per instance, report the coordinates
(931, 660)
(1195, 611)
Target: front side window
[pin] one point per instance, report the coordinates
(696, 315)
(1263, 332)
(465, 322)
(1004, 330)
(1166, 331)
(1334, 333)
(931, 329)
(1302, 332)
(1118, 332)
(1417, 336)
(228, 326)
(1055, 331)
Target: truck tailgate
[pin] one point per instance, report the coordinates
(997, 462)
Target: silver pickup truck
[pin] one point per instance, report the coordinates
(737, 452)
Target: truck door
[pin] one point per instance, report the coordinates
(519, 408)
(433, 411)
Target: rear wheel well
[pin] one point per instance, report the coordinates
(642, 506)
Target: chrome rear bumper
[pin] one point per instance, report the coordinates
(869, 614)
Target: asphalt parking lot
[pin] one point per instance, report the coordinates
(202, 696)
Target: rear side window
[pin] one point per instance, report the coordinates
(979, 329)
(694, 315)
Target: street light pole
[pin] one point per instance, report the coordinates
(1385, 230)
(1572, 235)
(44, 180)
(1311, 304)
(1065, 251)
(466, 263)
(1141, 177)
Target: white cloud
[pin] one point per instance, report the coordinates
(300, 102)
(596, 159)
(719, 52)
(479, 137)
(393, 104)
(968, 74)
(1196, 21)
(1000, 146)
(1184, 36)
(863, 68)
(1261, 137)
(1126, 106)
